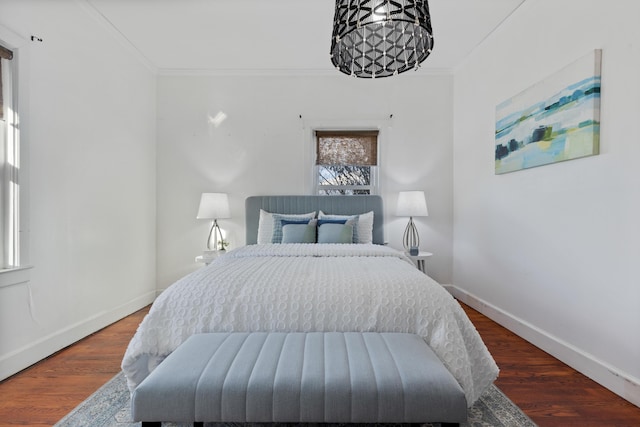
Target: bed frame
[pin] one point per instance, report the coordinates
(335, 205)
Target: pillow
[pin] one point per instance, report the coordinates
(332, 221)
(265, 224)
(295, 232)
(363, 229)
(331, 232)
(281, 219)
(350, 220)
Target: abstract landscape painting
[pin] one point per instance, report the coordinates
(555, 120)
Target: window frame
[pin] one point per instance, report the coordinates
(9, 170)
(20, 272)
(373, 186)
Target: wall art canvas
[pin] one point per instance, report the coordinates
(555, 120)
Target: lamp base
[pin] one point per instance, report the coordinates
(218, 241)
(414, 251)
(411, 240)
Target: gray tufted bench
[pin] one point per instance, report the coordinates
(315, 377)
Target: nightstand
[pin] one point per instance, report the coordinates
(207, 257)
(421, 260)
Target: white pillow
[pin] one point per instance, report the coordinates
(265, 225)
(365, 224)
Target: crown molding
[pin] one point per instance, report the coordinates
(286, 72)
(95, 14)
(467, 57)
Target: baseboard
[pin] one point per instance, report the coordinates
(622, 384)
(26, 356)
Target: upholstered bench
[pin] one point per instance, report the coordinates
(311, 377)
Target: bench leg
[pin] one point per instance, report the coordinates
(449, 424)
(198, 424)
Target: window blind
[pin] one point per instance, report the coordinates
(5, 53)
(347, 148)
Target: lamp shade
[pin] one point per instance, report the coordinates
(380, 38)
(412, 203)
(213, 206)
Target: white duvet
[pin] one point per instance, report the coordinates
(304, 287)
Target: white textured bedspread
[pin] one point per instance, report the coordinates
(298, 287)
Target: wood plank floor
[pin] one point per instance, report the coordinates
(44, 393)
(549, 392)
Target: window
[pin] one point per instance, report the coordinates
(346, 162)
(9, 165)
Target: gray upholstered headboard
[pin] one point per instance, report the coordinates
(335, 205)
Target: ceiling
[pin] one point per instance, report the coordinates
(275, 36)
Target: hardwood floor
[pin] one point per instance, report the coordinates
(44, 393)
(549, 392)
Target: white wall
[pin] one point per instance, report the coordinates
(552, 252)
(548, 251)
(89, 135)
(264, 147)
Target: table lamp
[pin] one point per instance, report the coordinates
(214, 206)
(411, 203)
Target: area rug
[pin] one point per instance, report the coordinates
(109, 407)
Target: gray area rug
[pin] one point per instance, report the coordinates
(109, 407)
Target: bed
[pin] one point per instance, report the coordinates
(264, 286)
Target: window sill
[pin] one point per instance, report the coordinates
(15, 276)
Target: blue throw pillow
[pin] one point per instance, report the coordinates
(299, 233)
(349, 220)
(362, 228)
(278, 221)
(331, 221)
(331, 232)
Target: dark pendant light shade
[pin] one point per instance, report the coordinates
(380, 38)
